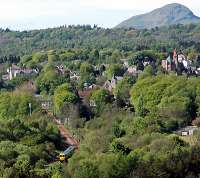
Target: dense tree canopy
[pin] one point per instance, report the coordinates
(64, 94)
(171, 97)
(16, 105)
(49, 79)
(129, 131)
(122, 90)
(162, 39)
(115, 70)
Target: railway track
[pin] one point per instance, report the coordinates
(65, 133)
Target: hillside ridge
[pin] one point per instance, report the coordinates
(170, 14)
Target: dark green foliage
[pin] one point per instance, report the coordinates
(10, 59)
(5, 86)
(159, 39)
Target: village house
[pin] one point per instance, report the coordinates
(92, 103)
(46, 105)
(61, 69)
(187, 131)
(111, 84)
(74, 75)
(172, 62)
(186, 63)
(146, 62)
(125, 62)
(198, 70)
(132, 70)
(88, 86)
(181, 57)
(167, 64)
(84, 96)
(15, 71)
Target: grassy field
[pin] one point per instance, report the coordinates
(189, 139)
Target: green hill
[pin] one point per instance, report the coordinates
(163, 38)
(168, 15)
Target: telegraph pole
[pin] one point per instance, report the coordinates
(30, 108)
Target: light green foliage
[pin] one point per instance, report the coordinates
(148, 72)
(57, 175)
(49, 79)
(171, 97)
(112, 165)
(28, 62)
(26, 146)
(87, 169)
(4, 104)
(40, 57)
(64, 94)
(56, 170)
(66, 56)
(53, 58)
(100, 96)
(134, 154)
(151, 91)
(87, 74)
(16, 104)
(122, 90)
(116, 143)
(22, 164)
(115, 69)
(26, 59)
(86, 68)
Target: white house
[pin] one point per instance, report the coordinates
(15, 71)
(186, 63)
(125, 62)
(74, 75)
(181, 57)
(187, 131)
(132, 70)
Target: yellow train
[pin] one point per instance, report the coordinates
(64, 155)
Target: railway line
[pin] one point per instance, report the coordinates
(67, 138)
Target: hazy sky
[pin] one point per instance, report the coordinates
(35, 14)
